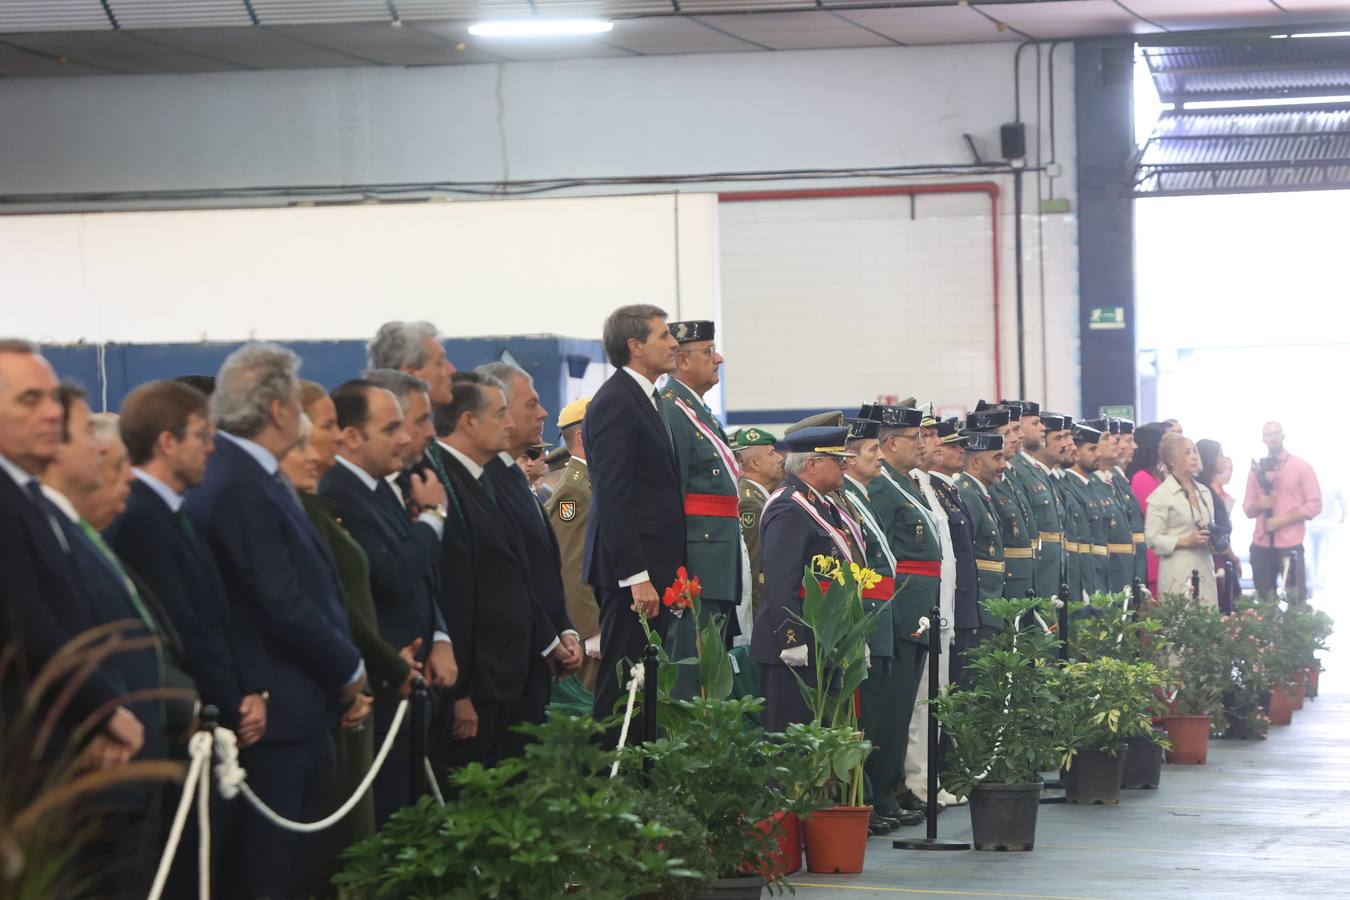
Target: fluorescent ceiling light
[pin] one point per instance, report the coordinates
(1266, 103)
(1314, 34)
(540, 27)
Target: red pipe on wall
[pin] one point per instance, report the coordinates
(988, 188)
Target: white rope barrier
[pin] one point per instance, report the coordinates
(432, 782)
(199, 749)
(232, 783)
(634, 682)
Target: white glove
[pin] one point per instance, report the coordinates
(592, 646)
(867, 655)
(796, 656)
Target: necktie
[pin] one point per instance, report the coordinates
(45, 507)
(486, 481)
(289, 489)
(523, 484)
(385, 493)
(110, 558)
(434, 459)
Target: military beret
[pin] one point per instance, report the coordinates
(752, 437)
(573, 413)
(833, 418)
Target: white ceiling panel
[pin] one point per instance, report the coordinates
(931, 24)
(1060, 20)
(1187, 14)
(252, 48)
(139, 14)
(296, 12)
(672, 34)
(117, 51)
(797, 30)
(53, 15)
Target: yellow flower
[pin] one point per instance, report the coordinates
(866, 578)
(827, 566)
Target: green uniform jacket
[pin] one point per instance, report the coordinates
(1018, 524)
(989, 563)
(1048, 513)
(751, 507)
(1077, 537)
(1136, 516)
(1094, 576)
(859, 506)
(1119, 536)
(712, 543)
(912, 532)
(567, 511)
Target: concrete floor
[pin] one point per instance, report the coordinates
(1260, 819)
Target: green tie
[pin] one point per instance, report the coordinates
(111, 558)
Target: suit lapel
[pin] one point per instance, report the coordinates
(655, 418)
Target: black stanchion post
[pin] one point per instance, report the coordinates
(650, 676)
(417, 739)
(1195, 584)
(1136, 594)
(935, 663)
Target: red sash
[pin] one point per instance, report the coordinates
(717, 505)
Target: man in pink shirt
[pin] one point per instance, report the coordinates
(1282, 495)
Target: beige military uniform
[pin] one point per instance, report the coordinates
(753, 496)
(567, 510)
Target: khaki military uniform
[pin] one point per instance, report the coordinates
(753, 496)
(567, 511)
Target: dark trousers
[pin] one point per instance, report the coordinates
(532, 707)
(783, 703)
(287, 776)
(125, 850)
(491, 743)
(622, 644)
(895, 689)
(1268, 567)
(183, 875)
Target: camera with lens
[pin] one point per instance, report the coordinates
(1219, 536)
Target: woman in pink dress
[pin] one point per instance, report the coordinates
(1145, 475)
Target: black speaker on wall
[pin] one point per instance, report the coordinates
(1012, 139)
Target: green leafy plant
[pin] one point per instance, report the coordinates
(1249, 647)
(722, 769)
(819, 758)
(1106, 701)
(1109, 627)
(1197, 655)
(1006, 727)
(530, 827)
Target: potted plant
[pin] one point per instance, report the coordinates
(1005, 726)
(1249, 646)
(1198, 660)
(818, 759)
(838, 625)
(529, 827)
(1107, 701)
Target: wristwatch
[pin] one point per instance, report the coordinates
(437, 511)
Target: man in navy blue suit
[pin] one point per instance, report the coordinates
(44, 605)
(525, 416)
(283, 592)
(403, 546)
(635, 535)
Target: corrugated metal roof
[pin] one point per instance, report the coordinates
(1266, 67)
(1230, 152)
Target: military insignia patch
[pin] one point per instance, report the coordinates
(749, 519)
(567, 510)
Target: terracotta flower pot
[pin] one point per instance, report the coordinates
(1301, 694)
(836, 839)
(785, 836)
(1190, 738)
(1281, 706)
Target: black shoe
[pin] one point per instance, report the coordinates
(879, 825)
(910, 800)
(905, 818)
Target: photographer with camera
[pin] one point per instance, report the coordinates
(1282, 495)
(1180, 521)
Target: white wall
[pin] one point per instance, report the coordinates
(629, 117)
(555, 266)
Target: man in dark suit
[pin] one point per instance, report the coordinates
(502, 629)
(403, 551)
(279, 577)
(800, 522)
(44, 604)
(635, 535)
(87, 477)
(525, 417)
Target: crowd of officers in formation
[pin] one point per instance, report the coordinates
(300, 556)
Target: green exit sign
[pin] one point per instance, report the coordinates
(1118, 412)
(1106, 318)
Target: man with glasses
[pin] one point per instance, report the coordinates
(801, 521)
(709, 476)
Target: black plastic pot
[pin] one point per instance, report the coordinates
(1143, 764)
(748, 887)
(1095, 777)
(1003, 816)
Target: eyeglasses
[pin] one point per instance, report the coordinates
(711, 350)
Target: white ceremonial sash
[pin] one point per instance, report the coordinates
(874, 526)
(728, 458)
(928, 516)
(835, 534)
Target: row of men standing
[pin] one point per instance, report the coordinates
(1008, 503)
(298, 557)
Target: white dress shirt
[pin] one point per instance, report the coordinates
(372, 484)
(649, 390)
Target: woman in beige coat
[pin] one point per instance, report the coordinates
(1180, 513)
